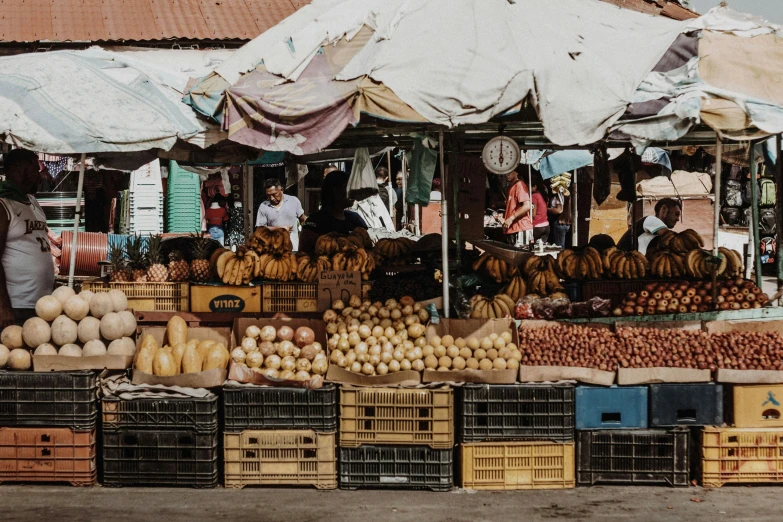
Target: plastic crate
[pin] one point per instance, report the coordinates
(160, 458)
(397, 416)
(611, 408)
(573, 289)
(686, 404)
(148, 297)
(50, 399)
(517, 465)
(398, 467)
(48, 455)
(286, 457)
(516, 412)
(273, 408)
(633, 457)
(294, 297)
(741, 456)
(758, 406)
(192, 413)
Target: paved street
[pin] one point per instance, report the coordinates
(41, 503)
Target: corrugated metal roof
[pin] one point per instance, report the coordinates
(139, 20)
(667, 8)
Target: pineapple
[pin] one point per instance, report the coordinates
(137, 259)
(199, 267)
(179, 269)
(157, 271)
(119, 266)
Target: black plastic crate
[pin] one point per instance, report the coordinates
(686, 404)
(400, 467)
(633, 457)
(50, 399)
(273, 408)
(160, 458)
(516, 412)
(199, 414)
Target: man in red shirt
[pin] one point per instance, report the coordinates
(517, 222)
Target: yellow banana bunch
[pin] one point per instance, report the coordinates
(496, 308)
(515, 289)
(394, 250)
(619, 264)
(665, 264)
(237, 268)
(497, 269)
(583, 264)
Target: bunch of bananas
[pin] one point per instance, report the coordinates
(560, 183)
(361, 234)
(541, 277)
(328, 244)
(496, 308)
(237, 268)
(277, 267)
(677, 242)
(700, 263)
(394, 251)
(619, 264)
(307, 267)
(585, 264)
(667, 264)
(497, 269)
(265, 240)
(516, 288)
(358, 260)
(734, 261)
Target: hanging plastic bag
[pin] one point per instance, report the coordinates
(362, 183)
(423, 161)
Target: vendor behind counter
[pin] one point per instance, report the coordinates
(667, 214)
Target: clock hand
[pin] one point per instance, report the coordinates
(501, 153)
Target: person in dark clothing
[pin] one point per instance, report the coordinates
(332, 216)
(667, 214)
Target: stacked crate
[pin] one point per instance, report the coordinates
(160, 441)
(752, 451)
(48, 427)
(280, 436)
(397, 438)
(516, 436)
(617, 445)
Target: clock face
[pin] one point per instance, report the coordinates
(501, 155)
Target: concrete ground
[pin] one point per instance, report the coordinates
(43, 503)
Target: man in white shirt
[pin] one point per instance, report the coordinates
(281, 210)
(667, 214)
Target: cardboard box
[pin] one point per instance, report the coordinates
(208, 379)
(403, 378)
(478, 328)
(627, 376)
(661, 325)
(242, 374)
(222, 298)
(63, 363)
(749, 376)
(565, 373)
(760, 325)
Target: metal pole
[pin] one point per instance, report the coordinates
(716, 216)
(404, 167)
(779, 205)
(530, 193)
(575, 212)
(404, 218)
(444, 221)
(246, 187)
(754, 191)
(76, 219)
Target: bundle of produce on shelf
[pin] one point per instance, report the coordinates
(560, 184)
(542, 279)
(496, 307)
(120, 270)
(157, 271)
(281, 353)
(179, 268)
(238, 268)
(619, 264)
(140, 263)
(137, 259)
(348, 252)
(265, 240)
(566, 345)
(307, 267)
(276, 267)
(677, 242)
(70, 324)
(377, 338)
(394, 251)
(580, 264)
(667, 264)
(352, 260)
(516, 289)
(497, 269)
(178, 354)
(700, 263)
(692, 297)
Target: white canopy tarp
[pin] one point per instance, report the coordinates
(96, 101)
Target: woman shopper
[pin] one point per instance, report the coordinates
(540, 217)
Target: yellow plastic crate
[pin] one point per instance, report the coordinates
(741, 456)
(148, 297)
(294, 297)
(758, 406)
(274, 457)
(500, 466)
(397, 416)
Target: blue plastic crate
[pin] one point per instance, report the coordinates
(611, 408)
